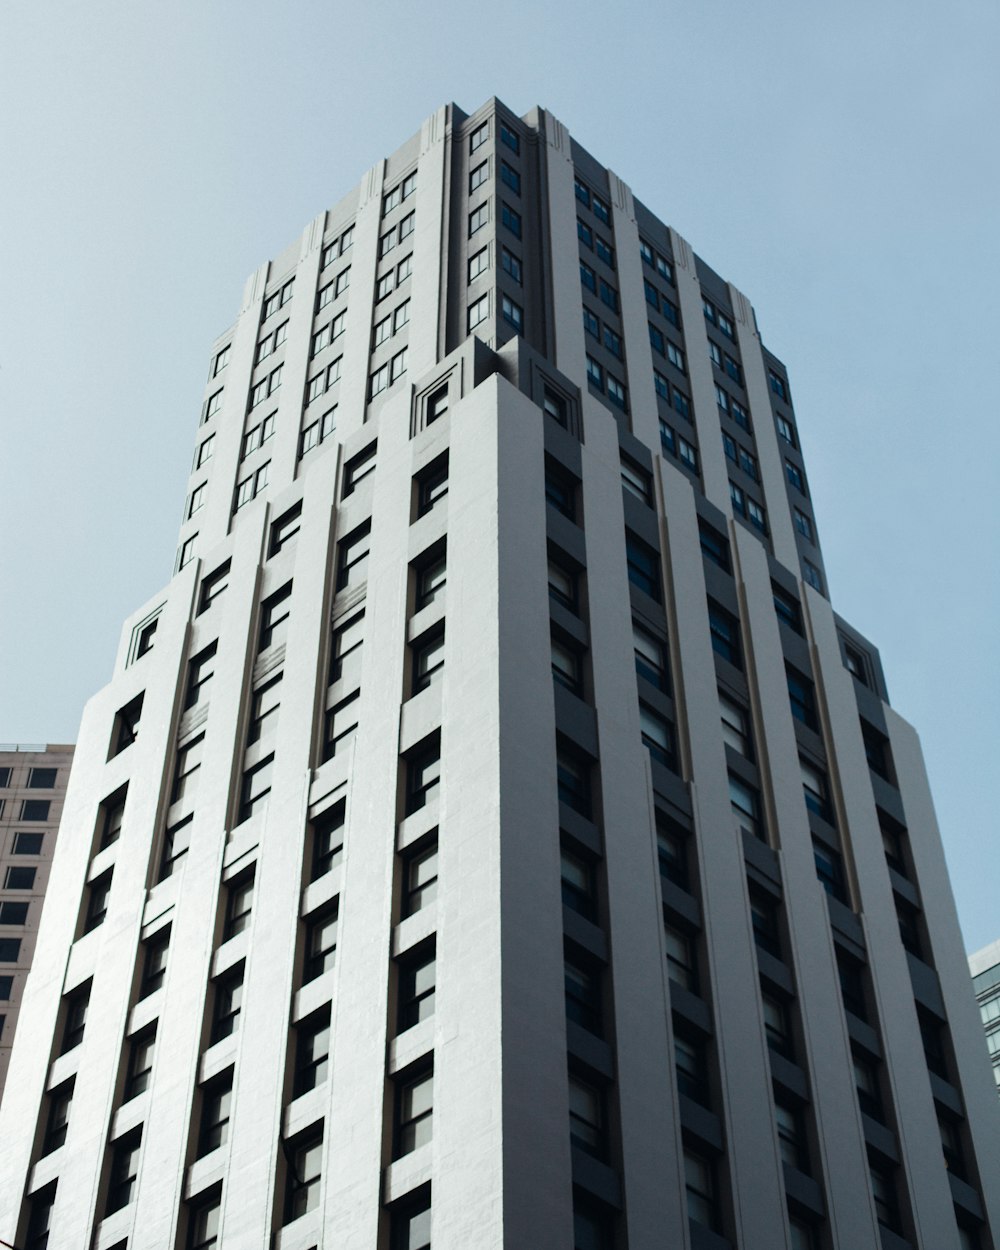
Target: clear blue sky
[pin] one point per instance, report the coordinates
(838, 163)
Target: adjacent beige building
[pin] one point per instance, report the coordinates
(491, 836)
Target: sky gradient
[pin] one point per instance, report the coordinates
(836, 163)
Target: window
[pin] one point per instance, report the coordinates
(212, 406)
(428, 658)
(812, 575)
(417, 980)
(321, 382)
(284, 529)
(216, 1105)
(735, 726)
(855, 663)
(327, 841)
(802, 697)
(348, 638)
(274, 613)
(573, 780)
(203, 1228)
(411, 1224)
(212, 586)
(884, 1193)
(221, 360)
(414, 1115)
(785, 429)
(420, 878)
(511, 219)
(605, 251)
(176, 841)
(312, 1053)
(154, 969)
(28, 843)
(714, 546)
(98, 895)
(124, 1171)
(650, 657)
(595, 374)
(278, 299)
(60, 1101)
(437, 405)
(6, 988)
(617, 393)
(757, 515)
(562, 586)
(691, 1068)
(305, 1161)
(908, 918)
(321, 340)
(586, 1118)
(795, 476)
(19, 879)
(699, 1185)
(582, 193)
(893, 843)
(567, 666)
(478, 312)
(877, 751)
(676, 357)
(866, 1082)
(830, 871)
(592, 1228)
(140, 1064)
(787, 609)
(512, 313)
(777, 1027)
(681, 966)
(423, 776)
(251, 486)
(672, 851)
(227, 1004)
(591, 324)
(687, 453)
(657, 737)
(636, 481)
(555, 407)
(254, 788)
(352, 557)
(10, 950)
(479, 136)
(478, 218)
(510, 138)
(583, 997)
(643, 566)
(588, 277)
(803, 524)
(744, 800)
(399, 194)
(511, 264)
(12, 914)
(584, 233)
(201, 670)
(239, 905)
(271, 342)
(124, 733)
(725, 632)
(789, 1122)
(765, 921)
(432, 484)
(478, 176)
(265, 387)
(816, 790)
(5, 778)
(560, 489)
(431, 578)
(578, 884)
(186, 769)
(609, 295)
(341, 725)
(510, 177)
(479, 263)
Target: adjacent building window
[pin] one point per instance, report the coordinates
(411, 1224)
(176, 842)
(203, 1226)
(77, 1004)
(341, 725)
(28, 843)
(274, 612)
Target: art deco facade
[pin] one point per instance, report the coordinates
(32, 787)
(985, 968)
(491, 836)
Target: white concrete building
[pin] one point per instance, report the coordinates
(514, 849)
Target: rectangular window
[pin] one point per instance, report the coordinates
(643, 566)
(341, 725)
(816, 790)
(479, 263)
(787, 609)
(284, 529)
(19, 878)
(510, 138)
(305, 1161)
(345, 659)
(725, 632)
(511, 219)
(617, 393)
(605, 251)
(414, 1112)
(254, 788)
(676, 357)
(510, 177)
(186, 769)
(657, 737)
(802, 697)
(744, 800)
(578, 884)
(312, 1053)
(239, 905)
(650, 657)
(10, 950)
(681, 965)
(274, 615)
(417, 983)
(431, 578)
(428, 658)
(28, 843)
(359, 467)
(321, 944)
(216, 1106)
(201, 670)
(423, 776)
(785, 429)
(478, 176)
(479, 136)
(478, 312)
(212, 586)
(573, 781)
(511, 264)
(588, 277)
(830, 871)
(176, 842)
(691, 1069)
(795, 476)
(735, 726)
(512, 313)
(595, 374)
(687, 453)
(420, 878)
(328, 841)
(124, 1171)
(803, 524)
(228, 1003)
(586, 1118)
(567, 666)
(140, 1063)
(14, 914)
(154, 968)
(714, 546)
(609, 295)
(563, 586)
(478, 218)
(352, 557)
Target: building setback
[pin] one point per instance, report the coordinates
(32, 787)
(516, 850)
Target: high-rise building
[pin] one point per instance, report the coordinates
(985, 968)
(32, 787)
(512, 847)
